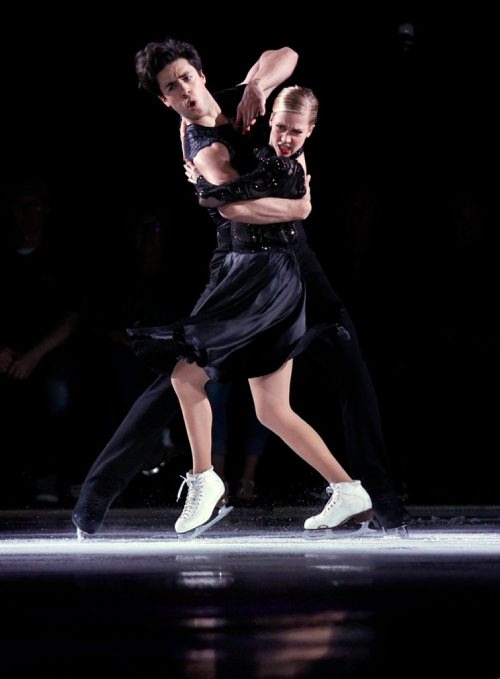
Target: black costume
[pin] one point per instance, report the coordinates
(127, 451)
(253, 319)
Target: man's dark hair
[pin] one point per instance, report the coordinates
(156, 55)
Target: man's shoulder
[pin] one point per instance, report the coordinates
(198, 137)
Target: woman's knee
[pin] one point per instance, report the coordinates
(270, 416)
(188, 375)
(179, 376)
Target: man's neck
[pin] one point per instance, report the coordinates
(213, 118)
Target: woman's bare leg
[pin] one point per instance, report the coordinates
(271, 394)
(189, 380)
(349, 502)
(205, 487)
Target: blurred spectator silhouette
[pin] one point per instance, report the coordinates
(40, 382)
(135, 285)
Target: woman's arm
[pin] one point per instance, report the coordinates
(271, 210)
(274, 177)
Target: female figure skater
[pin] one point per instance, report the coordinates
(251, 323)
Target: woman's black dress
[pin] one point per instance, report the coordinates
(251, 318)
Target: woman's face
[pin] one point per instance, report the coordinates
(289, 131)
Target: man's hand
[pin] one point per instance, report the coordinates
(191, 172)
(306, 198)
(271, 69)
(252, 105)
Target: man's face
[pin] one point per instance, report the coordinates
(183, 89)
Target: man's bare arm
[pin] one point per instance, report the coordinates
(214, 163)
(271, 210)
(268, 210)
(271, 69)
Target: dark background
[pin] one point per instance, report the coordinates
(403, 165)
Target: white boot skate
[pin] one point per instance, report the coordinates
(349, 506)
(205, 490)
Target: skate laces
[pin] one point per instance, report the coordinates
(334, 493)
(191, 498)
(182, 486)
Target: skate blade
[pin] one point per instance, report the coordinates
(196, 532)
(82, 536)
(359, 531)
(399, 532)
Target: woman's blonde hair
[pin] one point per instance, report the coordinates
(297, 99)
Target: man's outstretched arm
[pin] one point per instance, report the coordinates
(271, 69)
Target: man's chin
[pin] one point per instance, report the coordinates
(193, 115)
